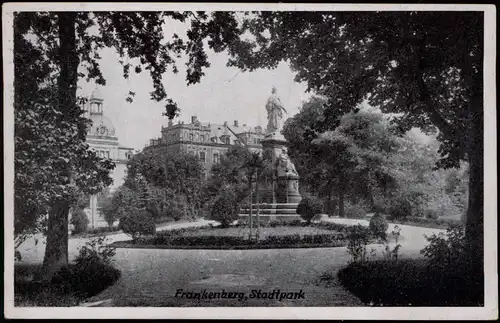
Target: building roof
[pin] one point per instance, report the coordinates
(96, 94)
(101, 126)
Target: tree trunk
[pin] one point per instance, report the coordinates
(56, 251)
(250, 214)
(341, 204)
(474, 225)
(257, 197)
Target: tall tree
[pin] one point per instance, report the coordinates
(350, 161)
(426, 66)
(68, 44)
(52, 162)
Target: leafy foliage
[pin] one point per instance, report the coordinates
(167, 185)
(79, 220)
(358, 238)
(378, 225)
(446, 249)
(137, 224)
(309, 207)
(95, 250)
(225, 209)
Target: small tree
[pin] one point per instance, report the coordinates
(79, 220)
(108, 210)
(378, 226)
(225, 208)
(309, 207)
(137, 224)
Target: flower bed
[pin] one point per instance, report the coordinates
(272, 235)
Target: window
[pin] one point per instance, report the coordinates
(107, 154)
(202, 138)
(216, 158)
(190, 137)
(202, 156)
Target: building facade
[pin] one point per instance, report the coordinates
(209, 141)
(101, 137)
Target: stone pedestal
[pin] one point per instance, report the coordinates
(278, 198)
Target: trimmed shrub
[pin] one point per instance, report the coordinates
(400, 209)
(79, 220)
(225, 208)
(411, 283)
(92, 271)
(86, 281)
(137, 224)
(378, 226)
(309, 208)
(354, 211)
(431, 214)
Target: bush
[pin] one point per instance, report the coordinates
(95, 250)
(309, 208)
(79, 220)
(225, 208)
(378, 226)
(92, 271)
(354, 211)
(446, 249)
(137, 224)
(85, 282)
(358, 237)
(431, 214)
(400, 209)
(410, 283)
(100, 230)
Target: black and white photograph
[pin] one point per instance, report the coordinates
(217, 160)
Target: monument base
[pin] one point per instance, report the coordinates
(272, 212)
(280, 197)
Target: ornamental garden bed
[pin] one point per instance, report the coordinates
(272, 235)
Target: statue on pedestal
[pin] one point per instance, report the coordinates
(275, 114)
(285, 166)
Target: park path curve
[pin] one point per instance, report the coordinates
(152, 277)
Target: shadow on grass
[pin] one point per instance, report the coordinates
(67, 288)
(412, 283)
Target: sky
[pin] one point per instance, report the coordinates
(224, 94)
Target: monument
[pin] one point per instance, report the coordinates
(280, 196)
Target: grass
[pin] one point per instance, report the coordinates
(442, 223)
(411, 283)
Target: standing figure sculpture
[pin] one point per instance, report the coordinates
(275, 115)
